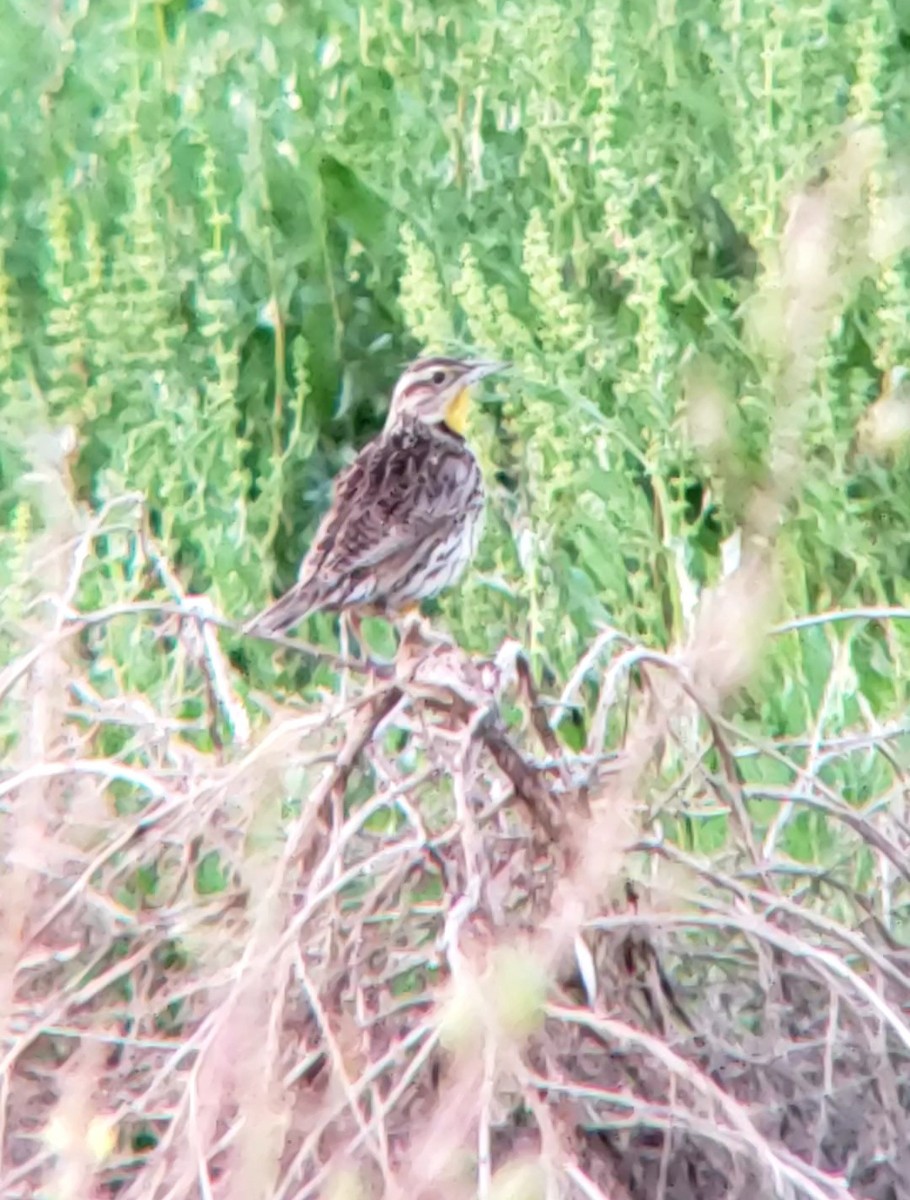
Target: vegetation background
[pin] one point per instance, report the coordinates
(224, 227)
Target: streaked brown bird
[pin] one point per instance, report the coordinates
(406, 515)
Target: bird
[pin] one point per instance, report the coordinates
(406, 515)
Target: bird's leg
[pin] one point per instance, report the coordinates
(350, 624)
(344, 646)
(353, 623)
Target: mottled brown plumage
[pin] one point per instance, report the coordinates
(406, 515)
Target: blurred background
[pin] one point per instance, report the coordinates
(224, 228)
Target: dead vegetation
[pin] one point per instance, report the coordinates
(406, 944)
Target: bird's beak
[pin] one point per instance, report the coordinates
(480, 370)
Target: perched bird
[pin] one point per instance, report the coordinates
(406, 515)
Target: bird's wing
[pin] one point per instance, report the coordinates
(404, 489)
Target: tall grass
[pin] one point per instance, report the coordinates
(223, 232)
(223, 229)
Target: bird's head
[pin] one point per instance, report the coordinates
(437, 390)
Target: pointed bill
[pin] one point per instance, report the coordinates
(480, 370)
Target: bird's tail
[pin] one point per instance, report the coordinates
(285, 613)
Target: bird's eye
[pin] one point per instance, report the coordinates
(438, 377)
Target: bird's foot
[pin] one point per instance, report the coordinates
(416, 630)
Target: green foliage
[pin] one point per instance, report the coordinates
(210, 874)
(225, 226)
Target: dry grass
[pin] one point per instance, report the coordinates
(441, 956)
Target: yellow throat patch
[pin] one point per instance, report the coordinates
(456, 415)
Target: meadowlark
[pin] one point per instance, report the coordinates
(406, 515)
